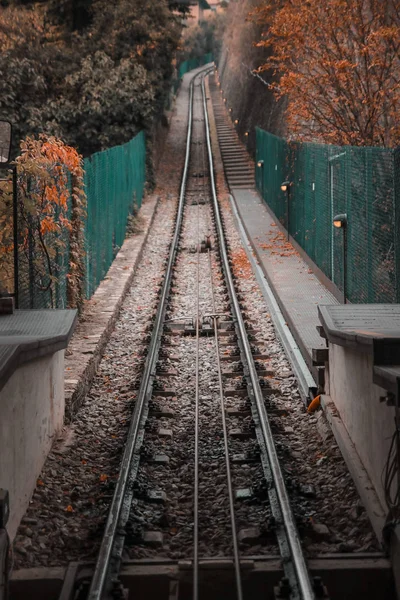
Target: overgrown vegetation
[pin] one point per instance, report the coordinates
(51, 211)
(204, 37)
(338, 64)
(91, 72)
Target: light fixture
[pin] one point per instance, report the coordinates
(340, 221)
(225, 100)
(285, 187)
(230, 110)
(260, 163)
(236, 121)
(246, 134)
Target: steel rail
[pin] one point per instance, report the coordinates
(303, 578)
(101, 571)
(195, 583)
(236, 556)
(196, 427)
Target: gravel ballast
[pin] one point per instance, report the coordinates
(68, 510)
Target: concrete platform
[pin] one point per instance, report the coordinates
(30, 334)
(32, 345)
(362, 365)
(298, 290)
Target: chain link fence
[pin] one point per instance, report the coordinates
(188, 65)
(114, 184)
(326, 180)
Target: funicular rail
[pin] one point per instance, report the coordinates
(105, 581)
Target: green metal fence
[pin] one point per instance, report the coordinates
(114, 183)
(329, 180)
(188, 65)
(194, 63)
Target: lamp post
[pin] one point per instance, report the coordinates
(285, 187)
(260, 165)
(340, 222)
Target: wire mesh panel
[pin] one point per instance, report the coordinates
(114, 184)
(194, 63)
(381, 231)
(43, 253)
(271, 171)
(327, 181)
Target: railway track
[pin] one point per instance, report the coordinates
(198, 188)
(200, 506)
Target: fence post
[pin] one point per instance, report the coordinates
(396, 202)
(15, 235)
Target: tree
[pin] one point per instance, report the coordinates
(93, 77)
(338, 64)
(104, 104)
(203, 38)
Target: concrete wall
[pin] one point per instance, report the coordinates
(369, 422)
(31, 414)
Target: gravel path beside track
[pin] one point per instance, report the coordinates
(69, 506)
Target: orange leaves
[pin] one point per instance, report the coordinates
(338, 64)
(240, 264)
(52, 206)
(47, 225)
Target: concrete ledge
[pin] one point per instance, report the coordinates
(26, 335)
(364, 486)
(31, 416)
(100, 314)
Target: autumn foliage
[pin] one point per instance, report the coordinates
(338, 64)
(51, 210)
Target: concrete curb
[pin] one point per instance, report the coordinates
(100, 314)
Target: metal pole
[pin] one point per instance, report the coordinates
(288, 217)
(15, 235)
(30, 262)
(397, 423)
(345, 264)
